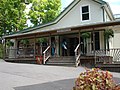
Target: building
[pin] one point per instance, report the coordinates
(84, 25)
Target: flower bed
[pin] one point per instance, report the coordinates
(95, 79)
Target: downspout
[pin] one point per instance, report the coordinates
(104, 41)
(104, 30)
(103, 13)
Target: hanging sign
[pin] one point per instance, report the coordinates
(64, 30)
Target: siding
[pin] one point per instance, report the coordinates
(116, 39)
(73, 18)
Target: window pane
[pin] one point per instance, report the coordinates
(85, 9)
(85, 16)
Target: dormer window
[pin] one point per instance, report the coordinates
(85, 13)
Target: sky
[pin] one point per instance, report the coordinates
(114, 4)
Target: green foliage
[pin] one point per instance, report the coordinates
(10, 43)
(24, 42)
(44, 11)
(85, 35)
(12, 16)
(42, 40)
(109, 33)
(95, 80)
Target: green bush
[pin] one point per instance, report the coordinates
(95, 79)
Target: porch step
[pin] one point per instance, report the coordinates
(62, 61)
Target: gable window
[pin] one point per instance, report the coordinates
(85, 13)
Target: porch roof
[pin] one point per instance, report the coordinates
(73, 28)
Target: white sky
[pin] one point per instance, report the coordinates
(114, 4)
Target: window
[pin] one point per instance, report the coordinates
(85, 13)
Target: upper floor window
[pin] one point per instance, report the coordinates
(85, 13)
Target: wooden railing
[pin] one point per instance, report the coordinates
(20, 53)
(77, 55)
(111, 56)
(47, 54)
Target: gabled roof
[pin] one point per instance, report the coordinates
(62, 14)
(78, 27)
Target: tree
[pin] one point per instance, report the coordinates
(44, 11)
(12, 16)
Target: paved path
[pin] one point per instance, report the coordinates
(15, 76)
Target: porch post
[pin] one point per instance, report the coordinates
(79, 43)
(93, 41)
(34, 46)
(4, 49)
(79, 37)
(16, 47)
(79, 47)
(105, 42)
(57, 46)
(94, 45)
(50, 43)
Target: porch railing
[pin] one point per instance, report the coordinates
(46, 54)
(77, 55)
(20, 53)
(111, 56)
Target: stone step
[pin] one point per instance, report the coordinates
(62, 61)
(61, 64)
(62, 58)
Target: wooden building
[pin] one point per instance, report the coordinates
(83, 25)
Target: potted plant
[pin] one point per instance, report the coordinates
(25, 42)
(10, 43)
(95, 79)
(108, 34)
(42, 40)
(85, 36)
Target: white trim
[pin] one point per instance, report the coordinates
(81, 12)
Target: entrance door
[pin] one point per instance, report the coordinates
(73, 42)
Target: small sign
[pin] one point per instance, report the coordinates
(64, 30)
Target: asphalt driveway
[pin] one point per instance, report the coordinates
(15, 76)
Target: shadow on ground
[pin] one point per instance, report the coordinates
(66, 84)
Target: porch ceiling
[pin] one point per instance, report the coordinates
(69, 29)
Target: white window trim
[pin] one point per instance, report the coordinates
(81, 12)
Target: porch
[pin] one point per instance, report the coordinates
(94, 49)
(100, 58)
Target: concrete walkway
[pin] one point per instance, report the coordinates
(15, 76)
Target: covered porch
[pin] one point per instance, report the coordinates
(48, 44)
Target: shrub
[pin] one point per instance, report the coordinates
(95, 80)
